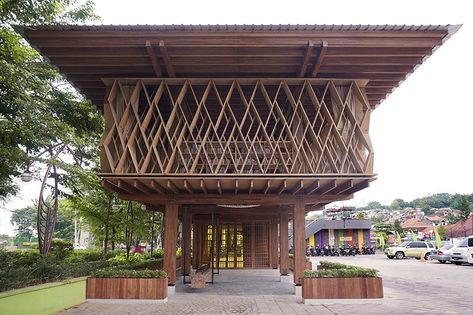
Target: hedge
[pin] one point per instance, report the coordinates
(337, 270)
(127, 273)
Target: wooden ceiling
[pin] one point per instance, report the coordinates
(382, 54)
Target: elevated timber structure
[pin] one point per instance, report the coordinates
(236, 129)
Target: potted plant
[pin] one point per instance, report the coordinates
(115, 283)
(339, 281)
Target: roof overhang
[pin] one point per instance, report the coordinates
(384, 55)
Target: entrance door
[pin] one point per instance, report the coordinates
(231, 246)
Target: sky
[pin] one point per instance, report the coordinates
(421, 134)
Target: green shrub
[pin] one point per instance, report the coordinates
(18, 258)
(356, 272)
(83, 255)
(158, 253)
(338, 270)
(121, 258)
(126, 273)
(60, 249)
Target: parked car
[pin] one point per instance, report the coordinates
(442, 254)
(410, 249)
(463, 253)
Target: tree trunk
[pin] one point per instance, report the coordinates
(105, 240)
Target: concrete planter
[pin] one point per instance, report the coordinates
(341, 288)
(129, 289)
(44, 299)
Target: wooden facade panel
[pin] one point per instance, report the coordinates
(236, 128)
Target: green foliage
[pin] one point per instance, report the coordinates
(126, 273)
(442, 231)
(44, 271)
(397, 226)
(24, 221)
(83, 255)
(465, 208)
(338, 270)
(134, 258)
(158, 253)
(37, 107)
(399, 204)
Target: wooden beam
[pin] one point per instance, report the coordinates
(299, 186)
(127, 187)
(268, 185)
(141, 187)
(269, 199)
(154, 59)
(323, 189)
(283, 187)
(313, 187)
(188, 187)
(203, 187)
(172, 187)
(320, 58)
(167, 59)
(219, 187)
(110, 186)
(305, 62)
(170, 241)
(157, 187)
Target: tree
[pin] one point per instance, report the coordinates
(24, 221)
(442, 231)
(398, 204)
(360, 215)
(37, 108)
(464, 208)
(397, 226)
(374, 205)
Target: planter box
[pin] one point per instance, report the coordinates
(307, 266)
(127, 288)
(342, 288)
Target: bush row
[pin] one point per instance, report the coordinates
(127, 273)
(338, 270)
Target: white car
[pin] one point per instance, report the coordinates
(463, 253)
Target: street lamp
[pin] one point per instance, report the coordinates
(27, 176)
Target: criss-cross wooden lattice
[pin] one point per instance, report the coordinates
(241, 126)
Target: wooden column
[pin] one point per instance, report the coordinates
(186, 231)
(273, 250)
(299, 240)
(283, 244)
(195, 232)
(170, 241)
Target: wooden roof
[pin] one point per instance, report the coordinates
(382, 54)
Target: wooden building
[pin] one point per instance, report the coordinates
(236, 129)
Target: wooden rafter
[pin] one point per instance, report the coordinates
(167, 59)
(320, 59)
(153, 58)
(305, 62)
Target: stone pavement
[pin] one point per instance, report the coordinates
(410, 287)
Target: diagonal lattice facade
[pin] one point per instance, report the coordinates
(241, 126)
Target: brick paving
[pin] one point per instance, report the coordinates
(410, 287)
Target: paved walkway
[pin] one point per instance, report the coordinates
(410, 287)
